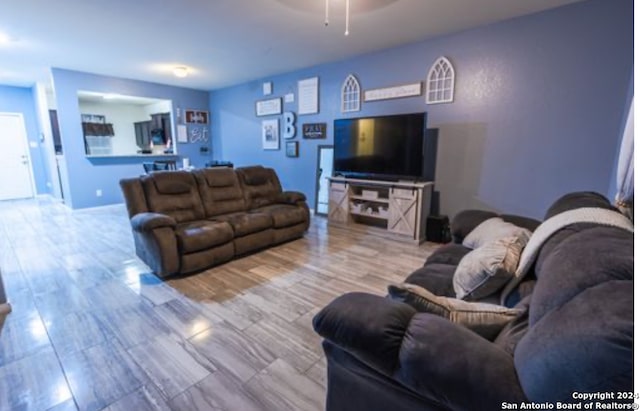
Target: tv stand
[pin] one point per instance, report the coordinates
(398, 209)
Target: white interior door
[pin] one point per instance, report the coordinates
(16, 181)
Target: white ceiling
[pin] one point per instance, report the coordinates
(223, 42)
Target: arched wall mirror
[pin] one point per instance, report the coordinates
(119, 125)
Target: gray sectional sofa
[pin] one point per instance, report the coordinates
(572, 333)
(186, 221)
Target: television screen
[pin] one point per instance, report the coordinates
(386, 147)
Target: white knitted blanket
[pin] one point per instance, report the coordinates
(545, 230)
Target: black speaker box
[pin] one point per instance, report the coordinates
(438, 230)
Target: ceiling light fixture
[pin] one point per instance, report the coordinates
(180, 71)
(346, 23)
(4, 38)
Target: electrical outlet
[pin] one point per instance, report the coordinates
(98, 193)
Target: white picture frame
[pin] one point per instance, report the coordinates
(269, 107)
(308, 102)
(270, 134)
(267, 88)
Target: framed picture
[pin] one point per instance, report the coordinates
(267, 88)
(291, 149)
(308, 96)
(270, 134)
(196, 117)
(269, 107)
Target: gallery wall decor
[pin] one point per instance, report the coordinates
(291, 149)
(350, 96)
(183, 136)
(314, 130)
(267, 88)
(196, 117)
(269, 107)
(198, 134)
(386, 93)
(289, 126)
(270, 134)
(441, 82)
(308, 96)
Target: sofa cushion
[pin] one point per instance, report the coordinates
(578, 199)
(488, 268)
(291, 197)
(246, 223)
(484, 319)
(174, 193)
(466, 220)
(581, 260)
(284, 215)
(218, 177)
(491, 230)
(435, 277)
(448, 254)
(220, 191)
(201, 235)
(580, 336)
(585, 345)
(513, 332)
(260, 186)
(172, 187)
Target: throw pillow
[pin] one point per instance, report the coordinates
(488, 268)
(491, 230)
(486, 320)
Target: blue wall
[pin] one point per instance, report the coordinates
(86, 175)
(538, 108)
(21, 100)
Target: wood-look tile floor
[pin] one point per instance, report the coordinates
(93, 329)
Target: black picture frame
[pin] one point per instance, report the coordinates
(291, 149)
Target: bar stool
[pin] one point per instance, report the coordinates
(148, 166)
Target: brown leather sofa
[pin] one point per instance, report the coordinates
(186, 221)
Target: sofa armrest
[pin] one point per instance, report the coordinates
(453, 366)
(465, 221)
(144, 222)
(290, 197)
(435, 358)
(368, 326)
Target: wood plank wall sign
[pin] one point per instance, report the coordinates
(314, 130)
(405, 90)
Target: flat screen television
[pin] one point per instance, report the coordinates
(380, 148)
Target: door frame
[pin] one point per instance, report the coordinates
(315, 205)
(32, 180)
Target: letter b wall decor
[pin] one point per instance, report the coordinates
(289, 125)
